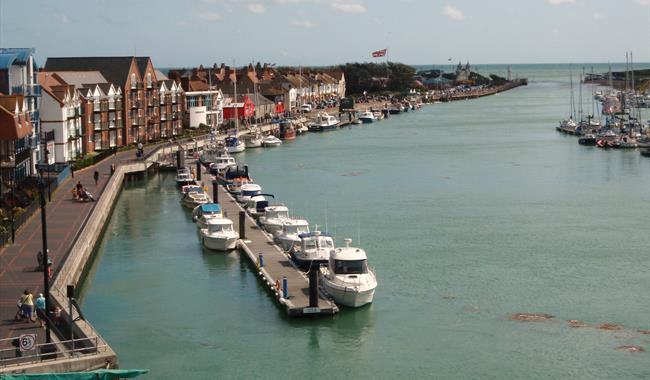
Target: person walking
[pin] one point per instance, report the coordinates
(27, 301)
(40, 309)
(96, 177)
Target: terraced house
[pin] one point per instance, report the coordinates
(140, 98)
(20, 151)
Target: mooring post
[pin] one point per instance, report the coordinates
(313, 285)
(261, 260)
(242, 225)
(215, 191)
(178, 159)
(198, 170)
(285, 287)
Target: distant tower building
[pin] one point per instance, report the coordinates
(462, 73)
(509, 74)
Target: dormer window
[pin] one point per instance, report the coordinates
(133, 81)
(149, 81)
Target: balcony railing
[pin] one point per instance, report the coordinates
(134, 121)
(48, 136)
(27, 89)
(118, 106)
(118, 123)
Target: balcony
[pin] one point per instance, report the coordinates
(48, 136)
(27, 89)
(134, 121)
(163, 116)
(118, 106)
(118, 123)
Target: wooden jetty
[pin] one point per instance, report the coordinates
(275, 264)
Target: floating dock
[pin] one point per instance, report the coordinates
(276, 269)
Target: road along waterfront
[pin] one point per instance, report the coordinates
(470, 212)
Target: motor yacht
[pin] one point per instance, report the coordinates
(222, 163)
(271, 140)
(273, 218)
(234, 186)
(253, 140)
(194, 197)
(314, 247)
(184, 177)
(287, 237)
(234, 145)
(218, 235)
(247, 191)
(323, 121)
(347, 278)
(202, 213)
(367, 117)
(255, 205)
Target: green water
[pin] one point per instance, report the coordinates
(469, 211)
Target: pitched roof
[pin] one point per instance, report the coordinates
(80, 77)
(160, 75)
(114, 69)
(142, 64)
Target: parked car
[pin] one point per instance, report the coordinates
(305, 108)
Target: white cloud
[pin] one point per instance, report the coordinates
(643, 2)
(453, 13)
(209, 16)
(558, 2)
(303, 23)
(256, 8)
(597, 15)
(349, 8)
(63, 19)
(555, 31)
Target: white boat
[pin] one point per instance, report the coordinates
(367, 117)
(314, 247)
(222, 163)
(219, 235)
(247, 191)
(347, 277)
(255, 205)
(323, 121)
(184, 177)
(235, 185)
(287, 237)
(193, 198)
(273, 218)
(253, 140)
(378, 115)
(271, 140)
(202, 213)
(234, 145)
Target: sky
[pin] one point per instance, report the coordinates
(187, 33)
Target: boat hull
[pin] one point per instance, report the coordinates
(219, 243)
(366, 120)
(346, 296)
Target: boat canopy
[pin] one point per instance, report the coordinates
(210, 208)
(312, 234)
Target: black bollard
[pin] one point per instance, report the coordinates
(178, 159)
(313, 285)
(198, 170)
(215, 191)
(242, 225)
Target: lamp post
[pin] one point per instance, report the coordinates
(13, 197)
(46, 279)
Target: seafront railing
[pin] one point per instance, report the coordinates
(12, 351)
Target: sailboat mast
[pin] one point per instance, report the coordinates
(236, 108)
(580, 94)
(573, 103)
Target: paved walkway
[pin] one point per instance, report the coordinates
(18, 263)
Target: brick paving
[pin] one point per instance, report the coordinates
(65, 217)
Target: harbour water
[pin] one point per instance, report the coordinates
(470, 212)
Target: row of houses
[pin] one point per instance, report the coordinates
(73, 106)
(261, 90)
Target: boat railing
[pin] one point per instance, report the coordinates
(59, 350)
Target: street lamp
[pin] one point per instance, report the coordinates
(46, 279)
(13, 197)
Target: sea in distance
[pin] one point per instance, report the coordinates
(470, 212)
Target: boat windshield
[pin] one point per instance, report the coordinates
(310, 244)
(250, 193)
(350, 266)
(325, 243)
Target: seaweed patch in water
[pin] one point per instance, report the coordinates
(576, 323)
(610, 327)
(630, 348)
(530, 317)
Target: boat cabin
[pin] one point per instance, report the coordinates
(276, 212)
(349, 260)
(208, 210)
(219, 225)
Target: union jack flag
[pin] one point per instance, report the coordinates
(379, 53)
